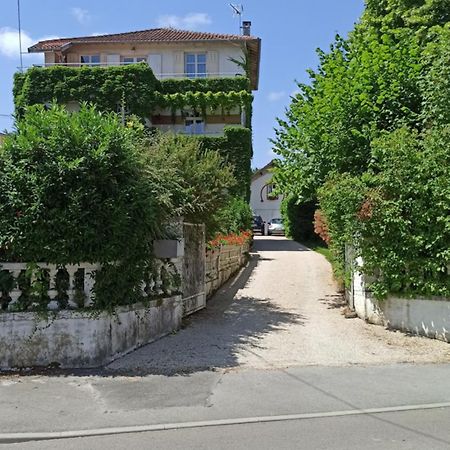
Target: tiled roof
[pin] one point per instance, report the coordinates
(153, 35)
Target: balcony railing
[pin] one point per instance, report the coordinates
(158, 75)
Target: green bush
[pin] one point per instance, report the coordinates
(298, 219)
(83, 188)
(235, 217)
(71, 189)
(197, 180)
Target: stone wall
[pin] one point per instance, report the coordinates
(81, 339)
(222, 263)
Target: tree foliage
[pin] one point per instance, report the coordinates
(366, 84)
(369, 136)
(298, 219)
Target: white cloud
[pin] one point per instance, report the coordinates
(276, 96)
(81, 15)
(9, 42)
(190, 21)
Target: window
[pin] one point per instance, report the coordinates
(195, 65)
(90, 60)
(194, 125)
(133, 59)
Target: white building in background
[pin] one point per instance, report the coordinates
(263, 201)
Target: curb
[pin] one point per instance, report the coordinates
(10, 438)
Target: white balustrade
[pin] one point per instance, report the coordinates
(72, 286)
(52, 270)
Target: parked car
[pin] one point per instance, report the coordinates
(276, 227)
(257, 225)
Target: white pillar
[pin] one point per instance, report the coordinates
(52, 292)
(71, 291)
(15, 292)
(89, 281)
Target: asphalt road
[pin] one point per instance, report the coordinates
(397, 431)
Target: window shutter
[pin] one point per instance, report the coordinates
(113, 60)
(212, 63)
(155, 62)
(73, 58)
(178, 66)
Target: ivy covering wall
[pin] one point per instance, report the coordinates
(107, 87)
(235, 146)
(135, 86)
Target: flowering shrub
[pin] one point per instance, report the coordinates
(321, 226)
(241, 238)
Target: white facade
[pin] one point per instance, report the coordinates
(262, 203)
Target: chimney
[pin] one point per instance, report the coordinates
(246, 27)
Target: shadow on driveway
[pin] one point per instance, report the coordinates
(211, 338)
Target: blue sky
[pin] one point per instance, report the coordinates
(290, 30)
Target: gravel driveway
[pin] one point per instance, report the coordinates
(282, 310)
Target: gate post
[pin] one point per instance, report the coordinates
(193, 282)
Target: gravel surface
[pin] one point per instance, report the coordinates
(282, 310)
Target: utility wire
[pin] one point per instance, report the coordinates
(20, 35)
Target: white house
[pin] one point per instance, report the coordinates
(171, 54)
(263, 201)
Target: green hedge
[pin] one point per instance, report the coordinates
(66, 184)
(107, 87)
(397, 212)
(173, 86)
(83, 188)
(235, 146)
(235, 217)
(298, 219)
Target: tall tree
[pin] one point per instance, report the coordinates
(364, 85)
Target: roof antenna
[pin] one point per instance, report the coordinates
(238, 11)
(20, 35)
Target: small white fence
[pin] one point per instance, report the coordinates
(72, 286)
(76, 283)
